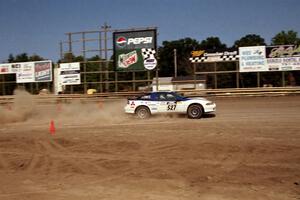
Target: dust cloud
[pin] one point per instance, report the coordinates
(94, 113)
(26, 108)
(21, 109)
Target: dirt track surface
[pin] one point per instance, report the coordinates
(249, 150)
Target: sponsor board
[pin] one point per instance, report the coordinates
(128, 49)
(269, 58)
(43, 71)
(150, 63)
(202, 56)
(69, 73)
(283, 51)
(197, 53)
(26, 73)
(253, 59)
(5, 69)
(126, 60)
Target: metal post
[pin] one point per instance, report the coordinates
(175, 62)
(194, 69)
(258, 79)
(61, 50)
(31, 88)
(116, 81)
(3, 84)
(105, 30)
(156, 75)
(133, 83)
(100, 63)
(216, 81)
(237, 75)
(148, 78)
(70, 53)
(283, 79)
(84, 64)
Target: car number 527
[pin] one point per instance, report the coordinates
(171, 107)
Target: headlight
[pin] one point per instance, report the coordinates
(209, 103)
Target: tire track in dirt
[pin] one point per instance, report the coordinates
(3, 163)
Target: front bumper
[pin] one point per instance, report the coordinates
(210, 108)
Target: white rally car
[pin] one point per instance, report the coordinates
(168, 102)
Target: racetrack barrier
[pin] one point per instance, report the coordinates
(101, 97)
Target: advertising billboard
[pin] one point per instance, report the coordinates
(135, 50)
(269, 58)
(29, 72)
(26, 73)
(253, 59)
(283, 57)
(5, 68)
(201, 56)
(69, 73)
(43, 71)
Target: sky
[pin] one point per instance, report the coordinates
(38, 26)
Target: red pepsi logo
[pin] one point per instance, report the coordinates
(121, 41)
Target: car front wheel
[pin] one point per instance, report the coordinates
(195, 111)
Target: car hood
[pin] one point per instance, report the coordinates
(199, 98)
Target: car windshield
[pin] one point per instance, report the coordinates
(178, 96)
(145, 97)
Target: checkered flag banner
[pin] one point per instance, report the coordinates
(214, 59)
(148, 53)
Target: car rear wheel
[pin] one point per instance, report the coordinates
(142, 112)
(195, 111)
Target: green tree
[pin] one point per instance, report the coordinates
(11, 58)
(212, 44)
(249, 40)
(289, 37)
(23, 57)
(35, 57)
(183, 49)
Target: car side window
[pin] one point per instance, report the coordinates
(171, 97)
(145, 97)
(162, 97)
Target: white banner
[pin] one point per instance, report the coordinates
(26, 73)
(253, 59)
(6, 69)
(29, 72)
(70, 73)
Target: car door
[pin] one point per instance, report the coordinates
(166, 102)
(162, 102)
(171, 103)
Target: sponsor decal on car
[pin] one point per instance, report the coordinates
(132, 105)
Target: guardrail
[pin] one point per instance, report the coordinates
(238, 92)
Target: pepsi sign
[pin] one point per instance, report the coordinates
(126, 42)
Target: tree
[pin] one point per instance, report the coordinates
(23, 57)
(212, 44)
(289, 37)
(35, 57)
(166, 56)
(249, 40)
(11, 58)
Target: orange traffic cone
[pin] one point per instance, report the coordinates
(58, 107)
(52, 128)
(9, 107)
(100, 105)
